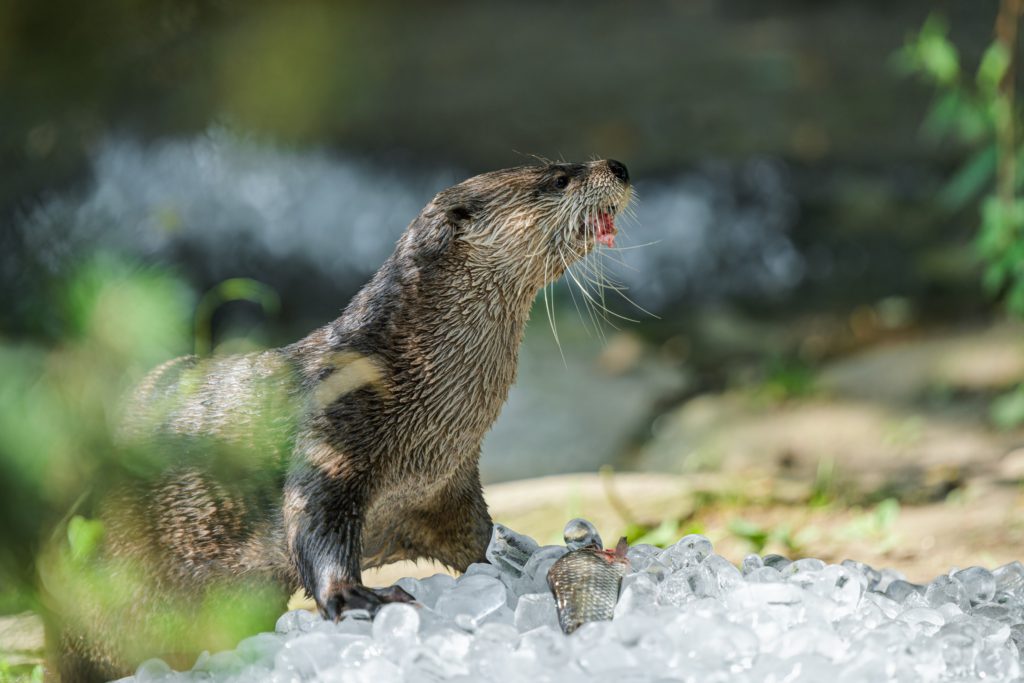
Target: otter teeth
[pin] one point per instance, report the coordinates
(601, 225)
(605, 233)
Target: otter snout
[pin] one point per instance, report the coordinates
(618, 170)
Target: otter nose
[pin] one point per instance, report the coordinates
(618, 170)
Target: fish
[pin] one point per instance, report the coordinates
(586, 581)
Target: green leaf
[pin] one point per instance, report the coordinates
(994, 64)
(754, 534)
(975, 122)
(886, 514)
(938, 56)
(970, 181)
(943, 117)
(662, 536)
(84, 537)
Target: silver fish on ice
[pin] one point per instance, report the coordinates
(586, 580)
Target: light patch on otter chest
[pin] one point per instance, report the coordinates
(350, 371)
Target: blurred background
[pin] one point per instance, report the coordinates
(820, 353)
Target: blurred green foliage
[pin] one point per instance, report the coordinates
(1007, 411)
(977, 110)
(973, 110)
(61, 453)
(794, 542)
(234, 289)
(877, 525)
(825, 488)
(785, 378)
(59, 405)
(20, 673)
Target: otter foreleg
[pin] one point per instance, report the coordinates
(324, 521)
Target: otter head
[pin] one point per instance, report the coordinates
(530, 223)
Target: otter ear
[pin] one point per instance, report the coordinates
(440, 229)
(459, 215)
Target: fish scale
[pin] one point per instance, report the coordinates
(586, 583)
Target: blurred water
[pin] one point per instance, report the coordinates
(228, 202)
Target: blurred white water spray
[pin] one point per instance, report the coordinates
(226, 200)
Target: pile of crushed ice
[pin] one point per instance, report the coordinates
(684, 614)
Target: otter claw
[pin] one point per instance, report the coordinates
(356, 596)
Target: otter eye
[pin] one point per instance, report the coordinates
(561, 182)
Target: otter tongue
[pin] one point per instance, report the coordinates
(606, 229)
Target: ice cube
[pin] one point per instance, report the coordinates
(1009, 577)
(298, 620)
(639, 594)
(868, 573)
(945, 590)
(534, 577)
(764, 575)
(152, 670)
(806, 564)
(442, 656)
(377, 670)
(688, 552)
(607, 658)
(838, 585)
(473, 596)
(483, 568)
(657, 570)
(308, 655)
(503, 615)
(694, 543)
(397, 623)
(887, 576)
(536, 610)
(959, 650)
(579, 533)
(997, 612)
(545, 645)
(775, 562)
(680, 558)
(428, 663)
(751, 562)
(260, 648)
(720, 574)
(641, 554)
(997, 664)
(432, 588)
(927, 620)
(680, 588)
(979, 583)
(900, 590)
(509, 550)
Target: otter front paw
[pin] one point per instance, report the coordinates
(348, 596)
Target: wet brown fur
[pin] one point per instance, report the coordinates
(359, 444)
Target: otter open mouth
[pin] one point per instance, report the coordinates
(601, 226)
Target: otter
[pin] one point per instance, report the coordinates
(356, 446)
